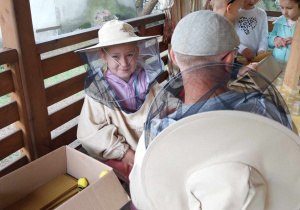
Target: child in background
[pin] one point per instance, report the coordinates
(252, 28)
(227, 8)
(284, 26)
(120, 85)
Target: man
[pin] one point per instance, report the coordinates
(204, 47)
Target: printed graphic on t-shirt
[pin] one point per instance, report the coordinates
(247, 24)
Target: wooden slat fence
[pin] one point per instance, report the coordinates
(28, 65)
(13, 112)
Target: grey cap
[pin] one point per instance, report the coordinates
(203, 33)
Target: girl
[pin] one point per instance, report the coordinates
(252, 28)
(120, 85)
(284, 26)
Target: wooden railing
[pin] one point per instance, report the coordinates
(28, 67)
(14, 112)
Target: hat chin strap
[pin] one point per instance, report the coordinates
(117, 61)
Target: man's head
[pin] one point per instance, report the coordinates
(201, 37)
(227, 8)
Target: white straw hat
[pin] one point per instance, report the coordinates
(115, 32)
(204, 33)
(208, 158)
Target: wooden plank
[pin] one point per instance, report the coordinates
(65, 138)
(292, 71)
(273, 13)
(6, 83)
(15, 23)
(270, 26)
(164, 76)
(18, 163)
(8, 55)
(88, 34)
(11, 144)
(9, 114)
(154, 30)
(59, 64)
(144, 20)
(165, 59)
(65, 89)
(163, 46)
(65, 114)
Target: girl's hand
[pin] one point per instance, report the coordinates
(248, 54)
(279, 42)
(247, 68)
(128, 160)
(262, 52)
(288, 40)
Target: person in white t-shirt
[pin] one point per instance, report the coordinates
(251, 26)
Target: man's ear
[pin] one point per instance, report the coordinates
(229, 58)
(173, 56)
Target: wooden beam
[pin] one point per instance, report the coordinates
(18, 163)
(91, 33)
(65, 89)
(65, 114)
(292, 72)
(8, 56)
(6, 83)
(65, 138)
(17, 33)
(9, 114)
(60, 63)
(273, 13)
(11, 144)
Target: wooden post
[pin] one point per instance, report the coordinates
(292, 72)
(17, 32)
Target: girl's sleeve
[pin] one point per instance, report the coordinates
(263, 45)
(241, 48)
(98, 138)
(272, 36)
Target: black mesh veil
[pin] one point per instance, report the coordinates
(210, 86)
(97, 87)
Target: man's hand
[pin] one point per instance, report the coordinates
(279, 42)
(128, 160)
(248, 54)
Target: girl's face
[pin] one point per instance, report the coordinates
(290, 9)
(249, 4)
(121, 59)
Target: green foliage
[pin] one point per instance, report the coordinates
(1, 68)
(4, 99)
(85, 25)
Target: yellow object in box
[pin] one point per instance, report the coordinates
(49, 195)
(260, 57)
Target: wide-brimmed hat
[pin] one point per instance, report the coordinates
(223, 160)
(204, 33)
(115, 32)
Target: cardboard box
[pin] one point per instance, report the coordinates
(105, 193)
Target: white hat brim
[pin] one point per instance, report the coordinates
(218, 137)
(115, 42)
